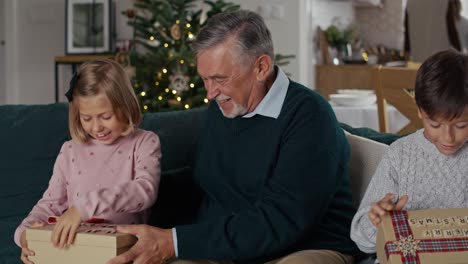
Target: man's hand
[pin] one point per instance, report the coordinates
(65, 229)
(154, 245)
(385, 205)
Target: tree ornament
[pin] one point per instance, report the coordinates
(179, 82)
(153, 43)
(175, 32)
(123, 59)
(174, 102)
(130, 13)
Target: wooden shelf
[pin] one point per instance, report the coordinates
(81, 58)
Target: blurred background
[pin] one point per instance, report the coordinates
(315, 32)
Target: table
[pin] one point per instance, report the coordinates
(366, 116)
(73, 60)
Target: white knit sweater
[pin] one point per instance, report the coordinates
(413, 166)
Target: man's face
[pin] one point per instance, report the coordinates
(447, 135)
(226, 80)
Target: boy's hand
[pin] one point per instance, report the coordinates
(385, 205)
(25, 251)
(65, 228)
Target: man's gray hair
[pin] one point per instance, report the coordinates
(247, 28)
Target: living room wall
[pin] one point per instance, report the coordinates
(35, 34)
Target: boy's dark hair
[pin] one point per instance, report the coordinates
(441, 88)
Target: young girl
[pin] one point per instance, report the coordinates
(110, 170)
(427, 169)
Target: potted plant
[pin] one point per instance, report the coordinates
(340, 39)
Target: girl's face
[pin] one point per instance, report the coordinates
(447, 135)
(98, 118)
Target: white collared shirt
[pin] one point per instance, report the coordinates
(273, 101)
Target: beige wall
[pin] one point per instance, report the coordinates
(284, 28)
(382, 26)
(35, 34)
(39, 38)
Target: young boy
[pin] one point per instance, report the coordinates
(427, 169)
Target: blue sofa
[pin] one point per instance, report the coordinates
(31, 137)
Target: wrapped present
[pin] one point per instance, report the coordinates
(423, 236)
(94, 243)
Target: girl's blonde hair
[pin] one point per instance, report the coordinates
(108, 76)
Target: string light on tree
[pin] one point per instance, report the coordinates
(166, 76)
(161, 54)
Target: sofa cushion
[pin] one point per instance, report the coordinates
(9, 252)
(365, 157)
(178, 132)
(178, 197)
(30, 139)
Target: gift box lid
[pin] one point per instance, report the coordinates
(424, 236)
(88, 234)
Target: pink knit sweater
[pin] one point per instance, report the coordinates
(117, 182)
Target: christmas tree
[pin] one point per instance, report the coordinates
(166, 77)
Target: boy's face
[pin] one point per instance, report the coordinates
(447, 135)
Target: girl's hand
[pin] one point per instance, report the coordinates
(65, 229)
(385, 205)
(25, 251)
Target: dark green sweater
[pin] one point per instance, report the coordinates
(272, 186)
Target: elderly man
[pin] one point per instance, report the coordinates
(272, 163)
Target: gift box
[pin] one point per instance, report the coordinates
(94, 243)
(423, 236)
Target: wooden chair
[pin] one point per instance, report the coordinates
(323, 46)
(413, 64)
(392, 85)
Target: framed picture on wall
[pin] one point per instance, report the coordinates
(88, 27)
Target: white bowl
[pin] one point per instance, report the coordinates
(353, 99)
(356, 91)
